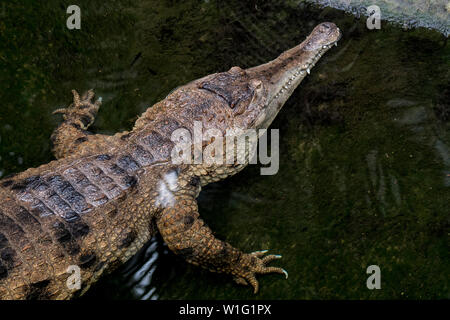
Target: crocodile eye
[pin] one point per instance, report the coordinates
(256, 84)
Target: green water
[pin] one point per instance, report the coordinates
(364, 142)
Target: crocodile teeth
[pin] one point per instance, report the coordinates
(335, 44)
(308, 70)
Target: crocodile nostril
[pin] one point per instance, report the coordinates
(326, 27)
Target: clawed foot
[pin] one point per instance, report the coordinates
(82, 111)
(255, 263)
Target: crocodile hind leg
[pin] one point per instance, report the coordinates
(72, 135)
(187, 235)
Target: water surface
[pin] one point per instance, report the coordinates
(364, 142)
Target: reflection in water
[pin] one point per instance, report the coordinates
(443, 151)
(140, 276)
(378, 187)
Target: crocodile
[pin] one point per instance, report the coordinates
(105, 196)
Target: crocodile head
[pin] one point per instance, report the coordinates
(279, 78)
(257, 94)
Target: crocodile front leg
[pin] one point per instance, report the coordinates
(72, 135)
(187, 235)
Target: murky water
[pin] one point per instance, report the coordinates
(364, 142)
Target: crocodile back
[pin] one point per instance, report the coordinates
(68, 212)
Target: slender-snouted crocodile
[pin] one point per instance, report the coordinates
(105, 196)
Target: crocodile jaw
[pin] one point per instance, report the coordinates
(282, 75)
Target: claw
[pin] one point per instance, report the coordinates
(76, 97)
(256, 263)
(254, 283)
(89, 95)
(75, 111)
(60, 110)
(261, 251)
(269, 258)
(259, 254)
(240, 280)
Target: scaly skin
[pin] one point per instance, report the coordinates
(105, 196)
